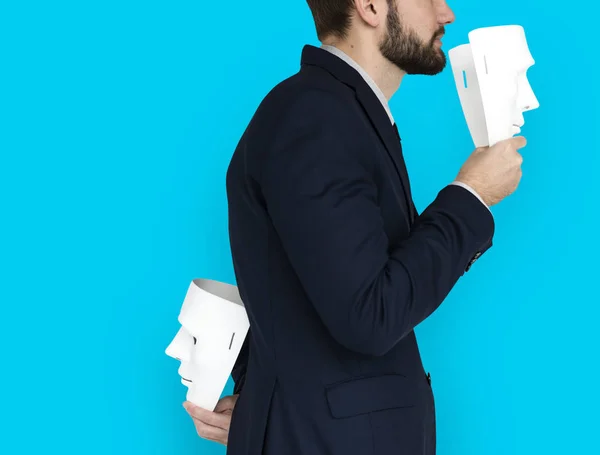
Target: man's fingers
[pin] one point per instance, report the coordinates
(209, 432)
(210, 418)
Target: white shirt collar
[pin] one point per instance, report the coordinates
(341, 54)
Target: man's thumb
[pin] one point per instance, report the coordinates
(519, 142)
(225, 404)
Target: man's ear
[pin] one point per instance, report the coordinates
(372, 13)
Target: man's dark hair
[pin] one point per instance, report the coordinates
(332, 17)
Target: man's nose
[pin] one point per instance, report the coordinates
(445, 14)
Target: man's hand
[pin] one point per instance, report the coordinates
(213, 425)
(494, 172)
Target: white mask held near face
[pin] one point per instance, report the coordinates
(214, 325)
(491, 79)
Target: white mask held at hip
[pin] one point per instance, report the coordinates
(214, 325)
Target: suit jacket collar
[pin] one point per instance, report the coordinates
(366, 76)
(345, 73)
(339, 69)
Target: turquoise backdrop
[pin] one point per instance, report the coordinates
(117, 123)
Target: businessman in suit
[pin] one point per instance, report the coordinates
(334, 264)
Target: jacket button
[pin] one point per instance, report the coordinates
(472, 261)
(429, 378)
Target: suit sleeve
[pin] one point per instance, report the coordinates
(323, 204)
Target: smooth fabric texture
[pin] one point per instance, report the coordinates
(336, 268)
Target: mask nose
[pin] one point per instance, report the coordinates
(179, 348)
(531, 104)
(527, 99)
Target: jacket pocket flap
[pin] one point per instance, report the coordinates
(364, 395)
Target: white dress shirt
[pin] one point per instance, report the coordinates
(345, 57)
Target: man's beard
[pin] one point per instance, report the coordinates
(406, 50)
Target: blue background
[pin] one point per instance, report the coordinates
(118, 120)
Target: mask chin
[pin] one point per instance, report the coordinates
(208, 381)
(185, 373)
(500, 114)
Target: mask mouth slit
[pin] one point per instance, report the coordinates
(186, 379)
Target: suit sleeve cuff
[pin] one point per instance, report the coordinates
(468, 188)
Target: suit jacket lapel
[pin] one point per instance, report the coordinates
(376, 112)
(387, 133)
(403, 164)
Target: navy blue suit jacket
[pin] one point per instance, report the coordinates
(336, 268)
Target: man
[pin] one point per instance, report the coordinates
(334, 264)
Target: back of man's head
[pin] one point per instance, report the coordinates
(332, 17)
